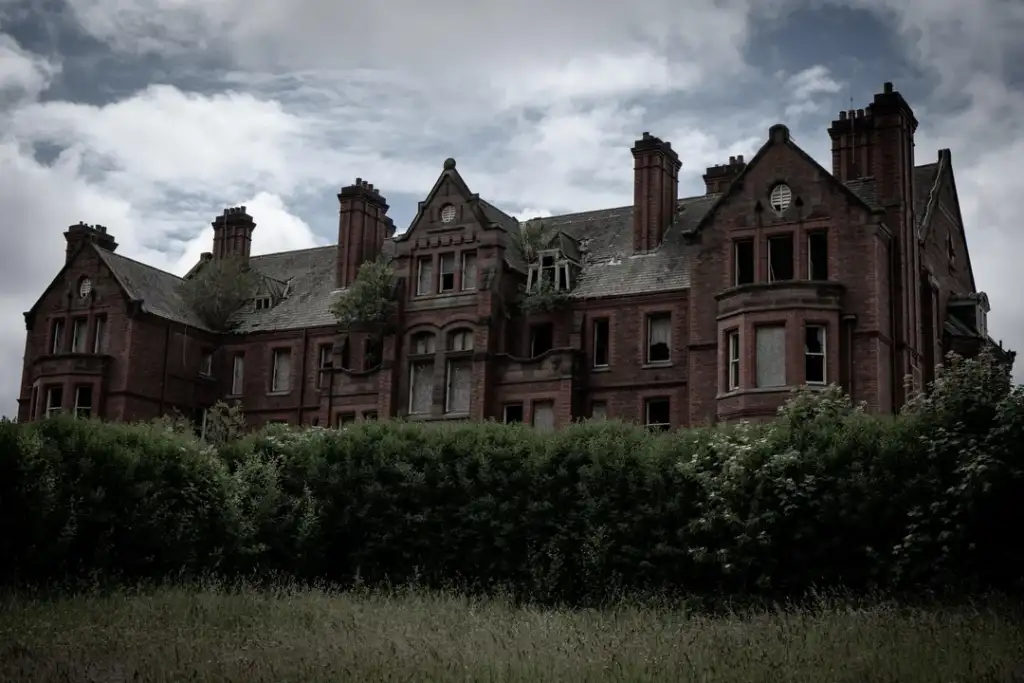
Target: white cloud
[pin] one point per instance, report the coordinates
(23, 75)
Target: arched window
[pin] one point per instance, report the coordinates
(460, 340)
(421, 373)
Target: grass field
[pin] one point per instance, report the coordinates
(278, 636)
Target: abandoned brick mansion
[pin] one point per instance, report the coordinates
(670, 312)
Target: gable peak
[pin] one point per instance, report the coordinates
(779, 133)
(449, 164)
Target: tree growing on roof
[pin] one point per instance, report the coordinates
(371, 301)
(218, 289)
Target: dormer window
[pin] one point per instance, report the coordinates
(263, 303)
(553, 270)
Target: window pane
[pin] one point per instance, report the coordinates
(544, 416)
(460, 374)
(771, 356)
(282, 371)
(425, 275)
(237, 374)
(659, 338)
(469, 271)
(421, 387)
(78, 332)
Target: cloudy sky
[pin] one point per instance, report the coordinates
(151, 116)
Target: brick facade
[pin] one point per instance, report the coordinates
(672, 311)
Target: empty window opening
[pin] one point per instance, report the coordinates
(79, 331)
(547, 271)
(814, 354)
(659, 338)
(542, 338)
(733, 372)
(817, 256)
(263, 302)
(344, 419)
(369, 416)
(771, 356)
(324, 363)
(424, 275)
(447, 281)
(744, 262)
(658, 414)
(54, 400)
(601, 338)
(373, 353)
(513, 413)
(598, 411)
(57, 337)
(83, 401)
(780, 258)
(206, 363)
(345, 355)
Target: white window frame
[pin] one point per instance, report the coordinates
(57, 337)
(561, 264)
(78, 406)
(428, 366)
(449, 258)
(99, 332)
(468, 284)
(647, 412)
(263, 303)
(733, 377)
(49, 409)
(823, 355)
(650, 320)
(607, 343)
(79, 335)
(424, 263)
(276, 376)
(237, 374)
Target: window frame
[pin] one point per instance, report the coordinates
(79, 334)
(607, 324)
(57, 337)
(237, 373)
(78, 409)
(650, 319)
(657, 426)
(99, 334)
(49, 410)
(736, 245)
(277, 353)
(426, 362)
(424, 263)
(823, 355)
(788, 236)
(451, 364)
(733, 354)
(324, 361)
(757, 358)
(441, 289)
(545, 403)
(811, 236)
(549, 325)
(522, 413)
(467, 284)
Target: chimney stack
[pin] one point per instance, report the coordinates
(717, 178)
(655, 190)
(77, 236)
(363, 225)
(232, 234)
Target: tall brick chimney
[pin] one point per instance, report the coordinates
(232, 234)
(878, 142)
(363, 225)
(655, 190)
(717, 178)
(79, 235)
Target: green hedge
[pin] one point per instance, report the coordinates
(826, 495)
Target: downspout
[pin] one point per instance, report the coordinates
(850, 321)
(164, 370)
(895, 294)
(302, 377)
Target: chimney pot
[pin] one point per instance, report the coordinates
(887, 88)
(740, 158)
(860, 113)
(359, 181)
(369, 186)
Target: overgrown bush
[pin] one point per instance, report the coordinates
(825, 495)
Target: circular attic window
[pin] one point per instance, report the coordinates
(448, 214)
(84, 287)
(780, 197)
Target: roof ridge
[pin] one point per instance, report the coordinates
(138, 263)
(294, 251)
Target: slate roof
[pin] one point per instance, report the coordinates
(302, 282)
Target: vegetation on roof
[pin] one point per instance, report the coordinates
(218, 289)
(371, 299)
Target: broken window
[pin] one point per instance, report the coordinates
(343, 419)
(542, 338)
(658, 414)
(57, 337)
(421, 386)
(373, 353)
(544, 416)
(743, 251)
(817, 256)
(324, 363)
(733, 372)
(553, 270)
(460, 375)
(206, 363)
(237, 374)
(547, 270)
(281, 377)
(99, 335)
(468, 271)
(447, 281)
(598, 411)
(79, 330)
(659, 338)
(814, 354)
(83, 401)
(262, 303)
(771, 356)
(345, 355)
(601, 338)
(424, 275)
(780, 258)
(369, 416)
(54, 400)
(513, 413)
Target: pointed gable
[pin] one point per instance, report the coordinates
(779, 140)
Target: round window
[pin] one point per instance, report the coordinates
(780, 197)
(84, 287)
(448, 214)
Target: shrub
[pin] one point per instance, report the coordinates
(825, 495)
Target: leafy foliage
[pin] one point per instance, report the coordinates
(219, 289)
(825, 495)
(544, 298)
(371, 298)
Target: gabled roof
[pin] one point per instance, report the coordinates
(157, 290)
(930, 179)
(779, 135)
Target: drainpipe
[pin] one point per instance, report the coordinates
(302, 377)
(164, 370)
(850, 323)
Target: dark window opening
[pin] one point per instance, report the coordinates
(513, 413)
(563, 279)
(54, 400)
(542, 338)
(780, 258)
(83, 401)
(814, 354)
(325, 362)
(344, 419)
(817, 253)
(601, 343)
(373, 353)
(447, 283)
(57, 337)
(369, 415)
(744, 251)
(547, 270)
(345, 363)
(659, 338)
(658, 414)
